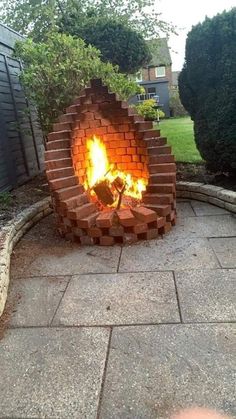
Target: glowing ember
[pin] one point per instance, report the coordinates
(100, 169)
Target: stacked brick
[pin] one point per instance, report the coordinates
(133, 146)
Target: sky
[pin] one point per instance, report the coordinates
(184, 14)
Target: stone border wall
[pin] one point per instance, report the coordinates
(215, 195)
(11, 234)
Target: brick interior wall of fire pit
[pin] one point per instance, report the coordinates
(133, 146)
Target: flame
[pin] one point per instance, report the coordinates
(100, 169)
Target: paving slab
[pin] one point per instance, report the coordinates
(154, 370)
(225, 249)
(184, 209)
(68, 260)
(52, 373)
(203, 208)
(35, 300)
(172, 253)
(205, 226)
(134, 298)
(207, 295)
(42, 252)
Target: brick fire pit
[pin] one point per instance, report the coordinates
(111, 176)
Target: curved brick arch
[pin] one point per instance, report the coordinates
(133, 146)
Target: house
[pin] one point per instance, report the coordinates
(21, 139)
(156, 77)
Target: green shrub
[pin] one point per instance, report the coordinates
(207, 86)
(148, 110)
(56, 70)
(119, 44)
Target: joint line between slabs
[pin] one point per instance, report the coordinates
(118, 265)
(104, 375)
(60, 300)
(177, 297)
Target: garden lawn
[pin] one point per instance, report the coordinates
(179, 133)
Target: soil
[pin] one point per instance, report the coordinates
(190, 172)
(11, 203)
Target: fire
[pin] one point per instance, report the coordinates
(101, 170)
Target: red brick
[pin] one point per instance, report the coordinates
(88, 222)
(104, 220)
(131, 150)
(106, 241)
(87, 240)
(74, 202)
(144, 214)
(82, 212)
(123, 128)
(126, 218)
(59, 173)
(84, 124)
(152, 234)
(165, 229)
(58, 144)
(130, 238)
(135, 158)
(140, 228)
(116, 231)
(129, 135)
(121, 151)
(95, 124)
(63, 182)
(66, 193)
(78, 232)
(59, 135)
(126, 159)
(94, 232)
(57, 154)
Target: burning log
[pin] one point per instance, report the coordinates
(120, 186)
(104, 193)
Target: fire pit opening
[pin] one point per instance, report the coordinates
(111, 175)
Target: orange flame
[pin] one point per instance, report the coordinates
(100, 169)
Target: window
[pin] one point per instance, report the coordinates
(160, 71)
(138, 76)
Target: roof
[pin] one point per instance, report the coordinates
(175, 76)
(160, 52)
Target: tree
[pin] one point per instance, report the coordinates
(56, 71)
(35, 17)
(118, 44)
(207, 86)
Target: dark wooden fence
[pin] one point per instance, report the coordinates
(21, 143)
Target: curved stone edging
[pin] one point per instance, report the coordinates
(11, 234)
(215, 195)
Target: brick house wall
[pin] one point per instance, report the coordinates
(149, 74)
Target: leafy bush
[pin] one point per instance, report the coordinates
(207, 86)
(56, 71)
(176, 106)
(148, 110)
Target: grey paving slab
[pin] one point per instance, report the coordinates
(52, 373)
(208, 295)
(171, 253)
(64, 261)
(205, 226)
(225, 249)
(119, 299)
(154, 370)
(35, 300)
(184, 209)
(203, 208)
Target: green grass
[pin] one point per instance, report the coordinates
(179, 132)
